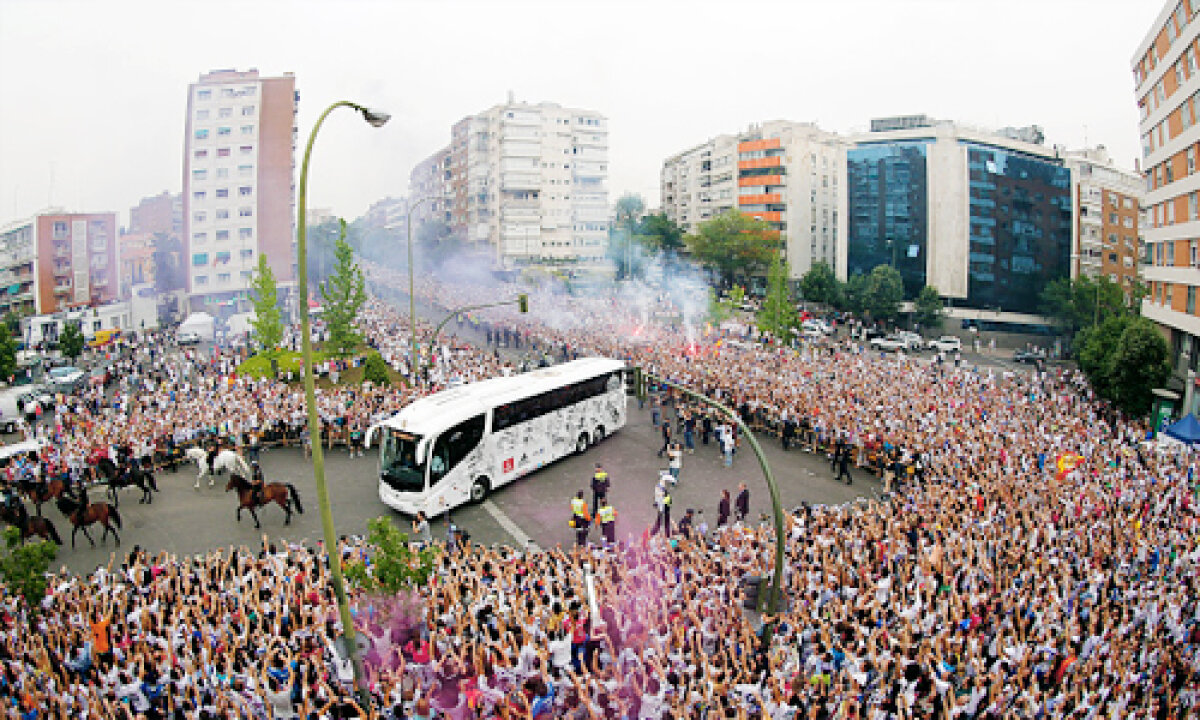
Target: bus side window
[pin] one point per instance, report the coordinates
(454, 445)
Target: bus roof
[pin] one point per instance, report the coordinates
(450, 407)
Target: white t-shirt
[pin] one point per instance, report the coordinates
(560, 652)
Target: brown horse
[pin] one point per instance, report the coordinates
(283, 493)
(82, 513)
(45, 492)
(29, 526)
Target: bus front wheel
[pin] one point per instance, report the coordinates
(581, 445)
(479, 490)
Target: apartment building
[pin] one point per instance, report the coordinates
(1167, 93)
(789, 174)
(528, 182)
(701, 182)
(57, 260)
(986, 217)
(1107, 209)
(238, 193)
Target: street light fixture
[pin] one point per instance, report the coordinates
(376, 119)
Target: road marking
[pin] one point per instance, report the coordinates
(523, 540)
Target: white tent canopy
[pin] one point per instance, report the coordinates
(200, 323)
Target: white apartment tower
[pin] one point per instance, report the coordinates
(528, 181)
(238, 193)
(700, 183)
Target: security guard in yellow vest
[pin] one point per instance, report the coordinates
(607, 517)
(580, 519)
(599, 486)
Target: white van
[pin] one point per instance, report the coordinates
(10, 409)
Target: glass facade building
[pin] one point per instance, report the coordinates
(888, 209)
(1020, 227)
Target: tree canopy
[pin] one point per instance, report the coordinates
(71, 342)
(343, 296)
(734, 244)
(268, 320)
(883, 292)
(778, 314)
(820, 284)
(1074, 304)
(928, 308)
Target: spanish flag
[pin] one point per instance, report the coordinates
(1066, 463)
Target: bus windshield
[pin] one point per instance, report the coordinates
(400, 466)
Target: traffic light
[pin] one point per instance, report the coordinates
(523, 303)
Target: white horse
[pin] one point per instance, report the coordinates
(225, 461)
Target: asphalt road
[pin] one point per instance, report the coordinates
(182, 520)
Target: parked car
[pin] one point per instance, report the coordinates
(891, 343)
(187, 337)
(946, 343)
(1032, 357)
(915, 342)
(66, 379)
(818, 326)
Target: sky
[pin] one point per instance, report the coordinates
(93, 94)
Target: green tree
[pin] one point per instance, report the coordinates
(853, 294)
(268, 320)
(718, 310)
(820, 284)
(23, 567)
(395, 566)
(927, 309)
(660, 234)
(883, 293)
(777, 315)
(1084, 301)
(622, 234)
(71, 340)
(1094, 346)
(8, 356)
(1139, 363)
(734, 244)
(342, 297)
(375, 369)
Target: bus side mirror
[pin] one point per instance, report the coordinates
(370, 436)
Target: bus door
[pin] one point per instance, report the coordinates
(452, 447)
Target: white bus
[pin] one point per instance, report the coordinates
(458, 445)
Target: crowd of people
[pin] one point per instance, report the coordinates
(995, 583)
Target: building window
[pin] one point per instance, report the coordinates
(246, 212)
(223, 193)
(200, 280)
(199, 237)
(222, 214)
(222, 277)
(248, 111)
(247, 253)
(200, 216)
(247, 129)
(222, 235)
(60, 230)
(245, 233)
(201, 114)
(222, 173)
(204, 95)
(200, 174)
(200, 154)
(246, 149)
(198, 195)
(225, 112)
(201, 133)
(223, 152)
(1191, 159)
(199, 259)
(1191, 300)
(224, 131)
(222, 257)
(245, 170)
(245, 191)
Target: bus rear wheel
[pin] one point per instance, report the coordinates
(479, 490)
(581, 445)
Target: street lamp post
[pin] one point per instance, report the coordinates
(775, 593)
(521, 301)
(412, 301)
(376, 119)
